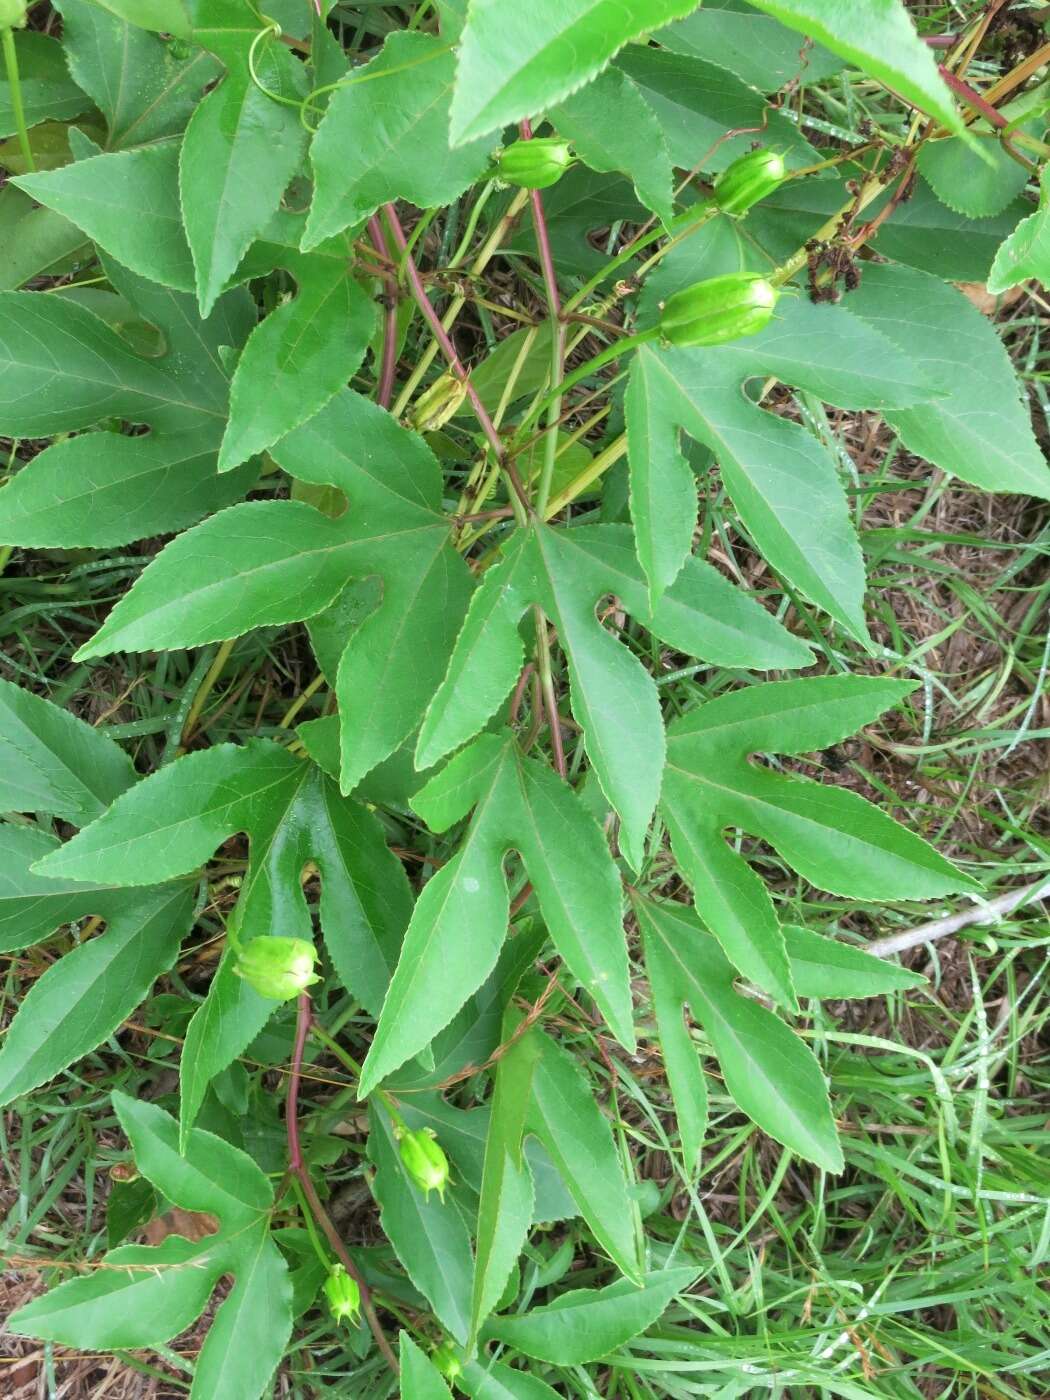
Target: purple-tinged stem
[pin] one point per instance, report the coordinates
(973, 98)
(388, 368)
(433, 320)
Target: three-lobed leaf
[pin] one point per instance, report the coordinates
(782, 480)
(460, 920)
(614, 700)
(174, 820)
(271, 562)
(144, 1295)
(385, 137)
(105, 488)
(833, 837)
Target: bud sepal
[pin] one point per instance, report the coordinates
(446, 1359)
(423, 1159)
(277, 968)
(343, 1294)
(718, 310)
(438, 404)
(749, 179)
(535, 164)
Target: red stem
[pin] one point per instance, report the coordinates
(388, 368)
(974, 99)
(298, 1167)
(456, 365)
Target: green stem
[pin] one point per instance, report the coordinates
(15, 85)
(334, 1048)
(604, 357)
(311, 1228)
(686, 222)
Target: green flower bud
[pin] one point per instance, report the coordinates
(447, 1362)
(278, 968)
(748, 180)
(535, 164)
(424, 1161)
(440, 402)
(13, 14)
(720, 309)
(343, 1294)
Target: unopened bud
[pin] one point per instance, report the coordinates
(278, 968)
(719, 310)
(424, 1161)
(440, 403)
(343, 1294)
(748, 180)
(447, 1361)
(534, 164)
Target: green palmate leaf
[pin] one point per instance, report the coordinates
(242, 145)
(1026, 253)
(128, 203)
(429, 1235)
(824, 967)
(108, 488)
(832, 837)
(878, 36)
(268, 562)
(173, 821)
(492, 1380)
(581, 202)
(385, 137)
(420, 1378)
(302, 354)
(977, 183)
(591, 1322)
(921, 232)
(460, 920)
(981, 429)
(53, 763)
(143, 1296)
(613, 699)
(85, 995)
(696, 102)
(31, 906)
(516, 61)
(142, 89)
(565, 1117)
(772, 1074)
(47, 90)
(507, 1197)
(35, 239)
(757, 47)
(164, 16)
(612, 127)
(782, 481)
